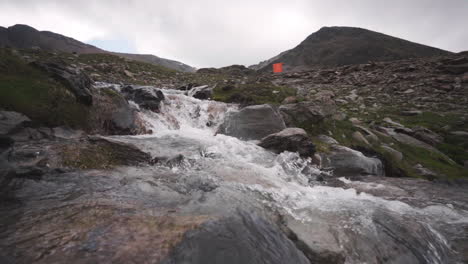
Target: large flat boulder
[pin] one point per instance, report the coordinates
(240, 238)
(289, 139)
(252, 123)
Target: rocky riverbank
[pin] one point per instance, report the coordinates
(175, 177)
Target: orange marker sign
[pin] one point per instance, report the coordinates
(278, 67)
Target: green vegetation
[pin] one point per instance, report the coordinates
(453, 146)
(30, 91)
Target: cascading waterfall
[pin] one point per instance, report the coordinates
(363, 227)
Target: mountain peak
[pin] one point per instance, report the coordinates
(338, 45)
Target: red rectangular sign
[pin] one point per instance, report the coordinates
(277, 67)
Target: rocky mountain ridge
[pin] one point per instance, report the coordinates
(336, 46)
(26, 37)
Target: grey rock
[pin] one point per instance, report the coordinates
(305, 112)
(78, 82)
(460, 133)
(424, 171)
(201, 92)
(11, 122)
(240, 238)
(411, 113)
(348, 162)
(396, 155)
(327, 140)
(359, 137)
(147, 97)
(252, 122)
(289, 139)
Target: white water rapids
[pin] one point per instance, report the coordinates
(363, 227)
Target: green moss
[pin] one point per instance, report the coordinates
(253, 93)
(28, 90)
(90, 156)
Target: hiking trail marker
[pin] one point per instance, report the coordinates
(277, 67)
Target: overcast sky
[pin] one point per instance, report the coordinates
(207, 33)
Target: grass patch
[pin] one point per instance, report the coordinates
(30, 91)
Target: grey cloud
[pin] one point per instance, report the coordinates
(218, 33)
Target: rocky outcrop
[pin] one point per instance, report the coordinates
(147, 97)
(11, 122)
(76, 80)
(348, 162)
(201, 92)
(112, 114)
(248, 238)
(304, 112)
(289, 139)
(252, 122)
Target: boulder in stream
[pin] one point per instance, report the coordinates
(252, 122)
(290, 139)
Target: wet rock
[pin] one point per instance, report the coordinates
(300, 113)
(201, 92)
(240, 238)
(78, 82)
(348, 162)
(252, 122)
(11, 122)
(114, 115)
(289, 139)
(147, 97)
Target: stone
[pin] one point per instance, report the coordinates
(368, 134)
(427, 135)
(11, 122)
(305, 112)
(289, 139)
(392, 123)
(424, 171)
(201, 92)
(243, 237)
(411, 113)
(465, 164)
(78, 82)
(460, 133)
(396, 155)
(347, 162)
(359, 137)
(327, 139)
(290, 100)
(128, 73)
(252, 123)
(147, 97)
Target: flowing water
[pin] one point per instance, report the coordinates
(345, 220)
(108, 216)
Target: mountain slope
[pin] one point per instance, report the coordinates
(336, 46)
(24, 37)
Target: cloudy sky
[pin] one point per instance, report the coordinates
(217, 33)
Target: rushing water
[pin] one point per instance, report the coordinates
(363, 227)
